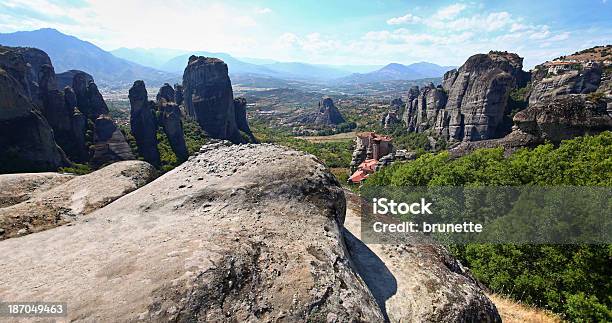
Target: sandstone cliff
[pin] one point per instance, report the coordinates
(471, 104)
(209, 99)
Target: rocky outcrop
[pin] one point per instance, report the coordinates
(564, 117)
(109, 144)
(209, 99)
(472, 102)
(143, 123)
(327, 114)
(66, 78)
(17, 188)
(170, 120)
(240, 105)
(424, 109)
(77, 148)
(389, 120)
(178, 94)
(241, 233)
(57, 200)
(27, 142)
(416, 283)
(166, 92)
(89, 99)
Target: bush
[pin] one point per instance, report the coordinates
(572, 280)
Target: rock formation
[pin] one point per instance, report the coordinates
(27, 142)
(471, 104)
(327, 114)
(77, 149)
(240, 105)
(66, 78)
(170, 120)
(389, 120)
(143, 123)
(178, 94)
(241, 233)
(109, 143)
(567, 98)
(61, 199)
(166, 92)
(209, 99)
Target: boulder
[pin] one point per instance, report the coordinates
(236, 234)
(109, 143)
(143, 123)
(170, 120)
(209, 99)
(166, 92)
(17, 188)
(72, 199)
(416, 283)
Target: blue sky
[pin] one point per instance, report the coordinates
(328, 32)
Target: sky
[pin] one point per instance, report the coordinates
(360, 32)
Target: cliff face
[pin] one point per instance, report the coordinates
(27, 141)
(209, 99)
(109, 144)
(471, 104)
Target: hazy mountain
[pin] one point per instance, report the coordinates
(307, 71)
(68, 52)
(151, 57)
(395, 71)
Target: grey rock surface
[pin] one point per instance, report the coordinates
(109, 143)
(54, 200)
(237, 233)
(143, 123)
(209, 99)
(17, 188)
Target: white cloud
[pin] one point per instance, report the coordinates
(405, 19)
(263, 11)
(450, 12)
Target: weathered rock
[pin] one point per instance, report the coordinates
(472, 103)
(74, 198)
(170, 120)
(389, 120)
(564, 117)
(178, 94)
(89, 100)
(512, 142)
(327, 114)
(27, 142)
(166, 92)
(416, 283)
(242, 233)
(240, 105)
(423, 110)
(143, 123)
(17, 188)
(209, 99)
(76, 148)
(67, 78)
(109, 143)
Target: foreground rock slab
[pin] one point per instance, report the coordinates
(416, 283)
(235, 234)
(17, 188)
(71, 200)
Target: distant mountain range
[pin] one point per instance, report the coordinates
(122, 66)
(68, 52)
(395, 72)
